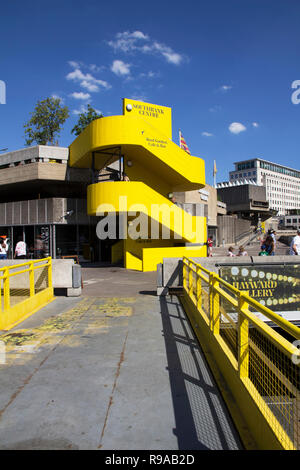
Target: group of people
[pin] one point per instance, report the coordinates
(241, 252)
(21, 250)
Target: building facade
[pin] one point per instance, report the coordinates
(281, 182)
(42, 197)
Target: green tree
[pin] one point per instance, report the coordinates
(46, 122)
(85, 119)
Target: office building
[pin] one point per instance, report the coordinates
(282, 183)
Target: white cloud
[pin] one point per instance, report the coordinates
(74, 64)
(255, 124)
(120, 68)
(80, 95)
(57, 97)
(171, 56)
(135, 42)
(225, 88)
(207, 134)
(236, 127)
(83, 109)
(86, 80)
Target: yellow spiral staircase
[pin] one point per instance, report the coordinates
(155, 167)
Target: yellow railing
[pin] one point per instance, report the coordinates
(260, 365)
(24, 288)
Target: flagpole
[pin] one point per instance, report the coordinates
(179, 138)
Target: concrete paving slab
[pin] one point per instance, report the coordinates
(110, 373)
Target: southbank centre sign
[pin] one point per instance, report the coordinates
(275, 286)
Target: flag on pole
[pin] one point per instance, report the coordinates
(182, 143)
(214, 173)
(215, 168)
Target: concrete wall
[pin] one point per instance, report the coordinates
(230, 228)
(208, 198)
(65, 275)
(43, 211)
(44, 152)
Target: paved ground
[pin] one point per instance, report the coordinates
(110, 371)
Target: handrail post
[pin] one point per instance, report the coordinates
(6, 292)
(184, 274)
(214, 299)
(199, 288)
(190, 281)
(49, 272)
(243, 338)
(31, 279)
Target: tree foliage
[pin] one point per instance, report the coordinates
(46, 122)
(85, 119)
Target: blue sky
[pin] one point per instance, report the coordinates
(225, 67)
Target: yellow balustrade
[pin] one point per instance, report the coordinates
(260, 365)
(24, 289)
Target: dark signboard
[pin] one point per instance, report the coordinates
(276, 286)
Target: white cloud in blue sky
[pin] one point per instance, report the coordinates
(236, 127)
(80, 95)
(120, 68)
(138, 41)
(86, 80)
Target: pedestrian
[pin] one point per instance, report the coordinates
(273, 235)
(242, 251)
(209, 246)
(295, 244)
(267, 246)
(230, 251)
(21, 249)
(3, 249)
(39, 247)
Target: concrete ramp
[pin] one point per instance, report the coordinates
(110, 373)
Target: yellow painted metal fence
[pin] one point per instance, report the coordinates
(24, 288)
(260, 365)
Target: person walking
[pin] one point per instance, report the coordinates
(21, 249)
(273, 235)
(209, 246)
(295, 244)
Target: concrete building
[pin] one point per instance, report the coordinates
(247, 201)
(212, 208)
(41, 195)
(281, 182)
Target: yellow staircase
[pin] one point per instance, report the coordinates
(155, 167)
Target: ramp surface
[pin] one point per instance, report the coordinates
(111, 373)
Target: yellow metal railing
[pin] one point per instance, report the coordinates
(261, 365)
(24, 288)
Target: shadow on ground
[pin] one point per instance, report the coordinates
(202, 419)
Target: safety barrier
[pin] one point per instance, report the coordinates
(261, 367)
(24, 289)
